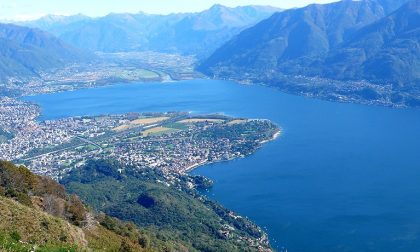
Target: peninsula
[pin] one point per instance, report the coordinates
(170, 142)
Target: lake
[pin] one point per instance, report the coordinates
(342, 177)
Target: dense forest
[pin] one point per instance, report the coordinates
(166, 205)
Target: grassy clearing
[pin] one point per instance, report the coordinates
(158, 131)
(146, 74)
(177, 125)
(140, 122)
(9, 242)
(144, 121)
(37, 227)
(237, 121)
(121, 128)
(134, 74)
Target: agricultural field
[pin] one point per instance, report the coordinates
(140, 122)
(158, 131)
(134, 74)
(237, 121)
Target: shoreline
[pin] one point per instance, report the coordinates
(274, 137)
(308, 94)
(203, 163)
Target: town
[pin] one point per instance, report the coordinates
(171, 142)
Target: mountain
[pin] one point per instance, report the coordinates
(297, 34)
(385, 51)
(168, 205)
(347, 40)
(115, 32)
(392, 5)
(26, 51)
(51, 22)
(38, 215)
(160, 213)
(201, 33)
(189, 33)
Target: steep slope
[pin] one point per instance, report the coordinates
(167, 204)
(350, 41)
(36, 212)
(26, 51)
(190, 33)
(296, 35)
(392, 5)
(387, 51)
(36, 226)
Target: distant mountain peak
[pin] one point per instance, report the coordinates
(187, 33)
(217, 7)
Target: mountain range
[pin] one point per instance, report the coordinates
(373, 43)
(374, 40)
(186, 33)
(26, 51)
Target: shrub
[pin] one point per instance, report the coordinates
(126, 246)
(144, 241)
(24, 199)
(76, 211)
(15, 235)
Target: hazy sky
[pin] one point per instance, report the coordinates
(30, 9)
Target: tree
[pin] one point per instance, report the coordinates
(53, 205)
(76, 211)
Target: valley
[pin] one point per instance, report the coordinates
(108, 69)
(133, 131)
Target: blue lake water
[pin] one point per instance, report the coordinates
(342, 177)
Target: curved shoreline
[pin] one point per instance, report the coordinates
(204, 163)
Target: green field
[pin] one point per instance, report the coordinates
(156, 131)
(135, 74)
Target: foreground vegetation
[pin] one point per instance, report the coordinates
(160, 212)
(38, 215)
(165, 205)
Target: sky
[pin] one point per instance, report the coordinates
(32, 9)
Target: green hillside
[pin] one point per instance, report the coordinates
(155, 211)
(166, 205)
(38, 215)
(27, 52)
(366, 51)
